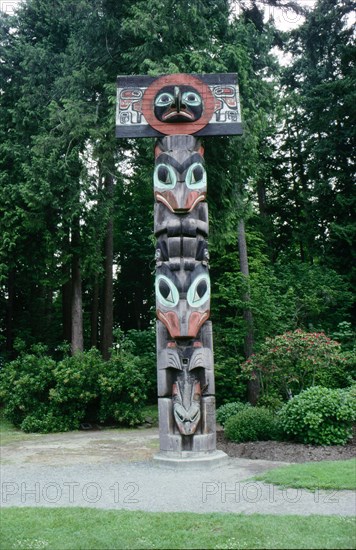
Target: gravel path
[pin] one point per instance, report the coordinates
(93, 469)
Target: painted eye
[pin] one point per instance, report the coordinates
(164, 99)
(196, 176)
(194, 416)
(166, 291)
(191, 98)
(199, 291)
(164, 177)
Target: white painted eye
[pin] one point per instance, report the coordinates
(191, 98)
(164, 177)
(199, 291)
(166, 291)
(196, 176)
(164, 99)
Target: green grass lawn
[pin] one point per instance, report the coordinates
(10, 434)
(83, 528)
(337, 474)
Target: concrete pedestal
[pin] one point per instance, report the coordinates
(190, 460)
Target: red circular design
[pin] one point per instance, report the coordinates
(177, 127)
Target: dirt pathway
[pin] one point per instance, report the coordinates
(113, 469)
(89, 447)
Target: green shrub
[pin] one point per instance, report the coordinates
(349, 358)
(41, 395)
(122, 390)
(74, 399)
(229, 409)
(48, 422)
(253, 424)
(144, 349)
(228, 386)
(320, 416)
(291, 362)
(25, 384)
(271, 402)
(345, 334)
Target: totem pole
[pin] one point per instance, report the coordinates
(177, 109)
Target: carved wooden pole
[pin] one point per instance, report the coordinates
(173, 108)
(184, 336)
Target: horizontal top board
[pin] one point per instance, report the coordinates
(200, 105)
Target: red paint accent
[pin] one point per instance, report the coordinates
(197, 344)
(158, 150)
(231, 102)
(178, 127)
(195, 322)
(197, 389)
(171, 345)
(193, 198)
(137, 106)
(168, 199)
(218, 105)
(170, 321)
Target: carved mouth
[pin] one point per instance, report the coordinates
(169, 200)
(182, 114)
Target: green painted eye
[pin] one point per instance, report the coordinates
(199, 291)
(196, 176)
(164, 177)
(166, 291)
(164, 99)
(191, 98)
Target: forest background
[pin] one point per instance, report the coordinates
(77, 245)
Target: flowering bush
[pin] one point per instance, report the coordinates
(321, 416)
(293, 361)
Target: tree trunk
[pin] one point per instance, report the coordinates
(67, 310)
(77, 305)
(10, 312)
(94, 317)
(266, 218)
(253, 385)
(107, 330)
(66, 295)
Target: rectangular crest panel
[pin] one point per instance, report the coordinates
(199, 105)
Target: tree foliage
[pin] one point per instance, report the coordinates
(76, 204)
(291, 362)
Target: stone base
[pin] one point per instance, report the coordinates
(190, 460)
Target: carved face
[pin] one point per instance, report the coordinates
(179, 178)
(178, 104)
(186, 404)
(183, 300)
